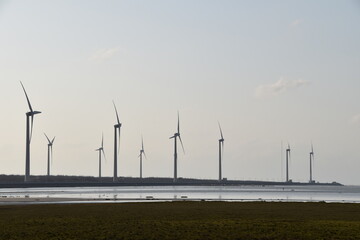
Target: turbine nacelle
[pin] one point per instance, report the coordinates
(221, 134)
(312, 150)
(118, 125)
(142, 152)
(50, 143)
(32, 113)
(175, 135)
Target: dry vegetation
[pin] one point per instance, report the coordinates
(181, 220)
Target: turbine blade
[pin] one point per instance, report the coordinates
(289, 155)
(178, 125)
(27, 98)
(142, 143)
(312, 151)
(222, 146)
(313, 157)
(222, 137)
(117, 115)
(52, 141)
(312, 148)
(51, 149)
(31, 128)
(119, 143)
(289, 150)
(171, 137)
(182, 144)
(145, 155)
(103, 152)
(47, 138)
(102, 140)
(313, 161)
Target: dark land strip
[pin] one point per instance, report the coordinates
(182, 220)
(17, 181)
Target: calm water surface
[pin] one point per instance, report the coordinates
(210, 193)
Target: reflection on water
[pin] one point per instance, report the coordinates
(222, 193)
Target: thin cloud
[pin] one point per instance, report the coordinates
(296, 22)
(355, 119)
(279, 87)
(104, 54)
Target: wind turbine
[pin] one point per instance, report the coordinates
(101, 150)
(50, 152)
(288, 150)
(29, 128)
(142, 151)
(117, 127)
(311, 162)
(221, 150)
(176, 135)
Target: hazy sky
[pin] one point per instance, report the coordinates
(268, 71)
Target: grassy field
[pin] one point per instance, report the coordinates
(181, 220)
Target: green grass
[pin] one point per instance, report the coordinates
(181, 220)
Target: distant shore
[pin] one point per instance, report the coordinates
(17, 181)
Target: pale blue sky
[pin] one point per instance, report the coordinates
(269, 71)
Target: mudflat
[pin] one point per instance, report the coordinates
(181, 220)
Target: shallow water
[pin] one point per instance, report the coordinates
(209, 193)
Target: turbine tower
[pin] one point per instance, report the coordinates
(50, 153)
(221, 150)
(142, 151)
(117, 127)
(29, 127)
(288, 150)
(176, 135)
(311, 163)
(101, 151)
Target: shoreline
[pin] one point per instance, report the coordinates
(65, 200)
